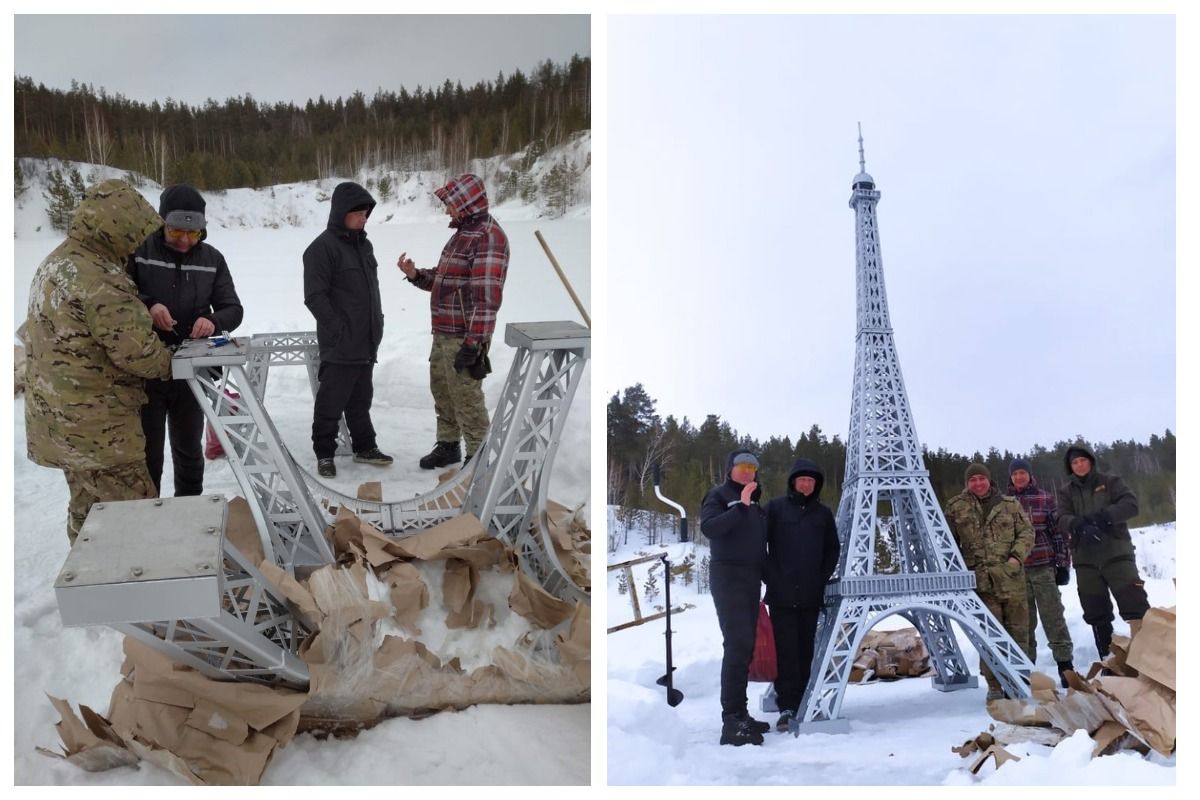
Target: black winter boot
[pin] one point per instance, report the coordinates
(737, 732)
(443, 455)
(758, 726)
(1103, 634)
(1063, 668)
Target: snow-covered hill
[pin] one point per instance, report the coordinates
(901, 731)
(262, 234)
(409, 196)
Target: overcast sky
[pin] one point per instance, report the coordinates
(282, 58)
(1027, 220)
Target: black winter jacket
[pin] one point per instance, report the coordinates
(737, 533)
(802, 544)
(191, 285)
(1094, 492)
(341, 284)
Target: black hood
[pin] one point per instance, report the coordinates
(346, 196)
(803, 466)
(1083, 449)
(729, 469)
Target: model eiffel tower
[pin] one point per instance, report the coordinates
(887, 484)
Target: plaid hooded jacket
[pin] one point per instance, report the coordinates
(467, 285)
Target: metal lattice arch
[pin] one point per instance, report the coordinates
(887, 487)
(162, 571)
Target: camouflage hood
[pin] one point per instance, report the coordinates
(113, 219)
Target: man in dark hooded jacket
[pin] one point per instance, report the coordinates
(736, 527)
(802, 554)
(1093, 508)
(341, 289)
(186, 285)
(466, 289)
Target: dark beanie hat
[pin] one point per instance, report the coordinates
(978, 469)
(181, 206)
(1019, 463)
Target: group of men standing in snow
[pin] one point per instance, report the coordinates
(109, 305)
(1020, 546)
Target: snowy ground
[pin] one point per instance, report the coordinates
(901, 731)
(482, 745)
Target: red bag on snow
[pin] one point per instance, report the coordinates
(763, 668)
(212, 444)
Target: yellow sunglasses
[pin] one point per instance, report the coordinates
(176, 232)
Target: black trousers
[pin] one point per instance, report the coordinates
(343, 389)
(795, 635)
(171, 410)
(736, 590)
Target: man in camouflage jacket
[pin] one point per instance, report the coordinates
(1093, 508)
(994, 536)
(465, 290)
(91, 346)
(1047, 567)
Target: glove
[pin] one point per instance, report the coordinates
(1077, 526)
(467, 355)
(483, 365)
(1101, 519)
(1090, 533)
(1062, 575)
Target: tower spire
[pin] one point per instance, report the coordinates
(862, 159)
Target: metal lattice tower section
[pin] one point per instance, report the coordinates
(521, 443)
(886, 477)
(163, 572)
(504, 485)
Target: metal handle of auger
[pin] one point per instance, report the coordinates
(562, 277)
(674, 696)
(683, 531)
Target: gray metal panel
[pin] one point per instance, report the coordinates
(138, 601)
(137, 560)
(547, 335)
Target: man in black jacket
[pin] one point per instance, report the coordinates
(1093, 508)
(802, 554)
(186, 285)
(341, 289)
(736, 528)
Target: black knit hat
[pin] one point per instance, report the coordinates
(181, 206)
(1019, 463)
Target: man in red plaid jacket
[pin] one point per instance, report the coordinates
(1047, 567)
(465, 290)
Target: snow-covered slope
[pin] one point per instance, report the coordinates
(901, 731)
(410, 195)
(487, 745)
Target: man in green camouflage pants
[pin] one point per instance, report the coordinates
(995, 536)
(91, 346)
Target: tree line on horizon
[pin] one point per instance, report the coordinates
(692, 459)
(241, 142)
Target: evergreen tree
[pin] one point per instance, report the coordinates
(650, 590)
(61, 200)
(77, 186)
